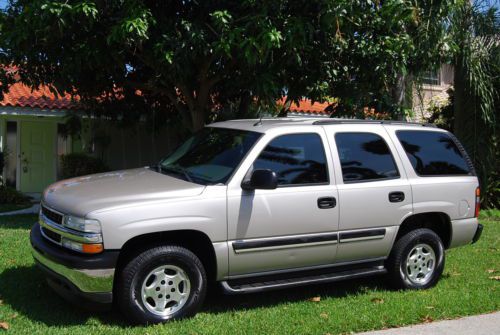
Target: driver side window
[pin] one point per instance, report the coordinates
(297, 159)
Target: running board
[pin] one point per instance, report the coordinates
(261, 284)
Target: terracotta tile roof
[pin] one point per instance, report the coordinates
(306, 106)
(20, 95)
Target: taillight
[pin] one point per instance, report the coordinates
(478, 202)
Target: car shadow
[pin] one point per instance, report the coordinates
(24, 221)
(25, 290)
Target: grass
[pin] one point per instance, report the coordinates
(28, 306)
(14, 207)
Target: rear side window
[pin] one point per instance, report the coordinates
(365, 157)
(433, 153)
(296, 159)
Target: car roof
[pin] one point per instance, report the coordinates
(265, 124)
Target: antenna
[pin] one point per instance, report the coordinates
(258, 123)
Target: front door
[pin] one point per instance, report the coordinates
(37, 155)
(293, 226)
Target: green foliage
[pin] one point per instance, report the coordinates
(475, 31)
(197, 57)
(11, 196)
(441, 112)
(79, 164)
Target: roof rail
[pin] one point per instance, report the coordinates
(361, 121)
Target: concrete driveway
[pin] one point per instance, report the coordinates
(486, 324)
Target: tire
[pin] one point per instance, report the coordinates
(416, 260)
(166, 282)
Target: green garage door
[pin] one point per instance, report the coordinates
(37, 155)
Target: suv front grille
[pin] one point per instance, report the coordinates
(54, 237)
(52, 216)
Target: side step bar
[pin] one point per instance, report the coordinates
(256, 285)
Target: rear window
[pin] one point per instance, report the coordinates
(433, 153)
(365, 157)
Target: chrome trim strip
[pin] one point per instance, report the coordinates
(284, 242)
(287, 246)
(365, 238)
(88, 281)
(69, 233)
(362, 235)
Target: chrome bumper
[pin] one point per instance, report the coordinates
(87, 281)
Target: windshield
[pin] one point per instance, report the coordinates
(209, 156)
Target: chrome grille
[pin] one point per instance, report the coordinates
(50, 235)
(52, 215)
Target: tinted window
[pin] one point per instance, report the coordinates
(210, 156)
(296, 159)
(433, 153)
(364, 157)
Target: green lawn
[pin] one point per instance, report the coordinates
(28, 306)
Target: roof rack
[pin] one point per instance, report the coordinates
(361, 121)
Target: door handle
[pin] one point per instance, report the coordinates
(396, 196)
(327, 202)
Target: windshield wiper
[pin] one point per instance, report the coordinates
(177, 170)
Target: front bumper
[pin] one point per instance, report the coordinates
(85, 277)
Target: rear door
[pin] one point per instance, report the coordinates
(374, 193)
(290, 227)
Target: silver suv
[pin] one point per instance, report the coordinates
(257, 205)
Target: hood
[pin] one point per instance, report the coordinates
(82, 195)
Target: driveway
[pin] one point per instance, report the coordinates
(486, 324)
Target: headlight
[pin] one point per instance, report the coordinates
(83, 225)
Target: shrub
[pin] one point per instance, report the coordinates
(79, 164)
(9, 195)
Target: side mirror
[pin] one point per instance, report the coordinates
(261, 180)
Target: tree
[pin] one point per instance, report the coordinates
(475, 31)
(193, 57)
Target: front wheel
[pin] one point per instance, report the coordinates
(416, 260)
(160, 284)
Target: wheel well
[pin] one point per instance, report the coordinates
(438, 222)
(195, 241)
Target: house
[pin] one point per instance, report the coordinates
(433, 90)
(33, 137)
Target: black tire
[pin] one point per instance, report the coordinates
(397, 261)
(131, 277)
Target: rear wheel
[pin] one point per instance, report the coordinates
(161, 284)
(416, 260)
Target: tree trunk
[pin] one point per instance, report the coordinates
(464, 109)
(197, 118)
(398, 94)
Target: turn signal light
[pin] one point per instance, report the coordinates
(85, 248)
(478, 202)
(92, 248)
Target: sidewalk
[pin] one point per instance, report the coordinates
(31, 210)
(486, 324)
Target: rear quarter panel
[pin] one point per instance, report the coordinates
(452, 195)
